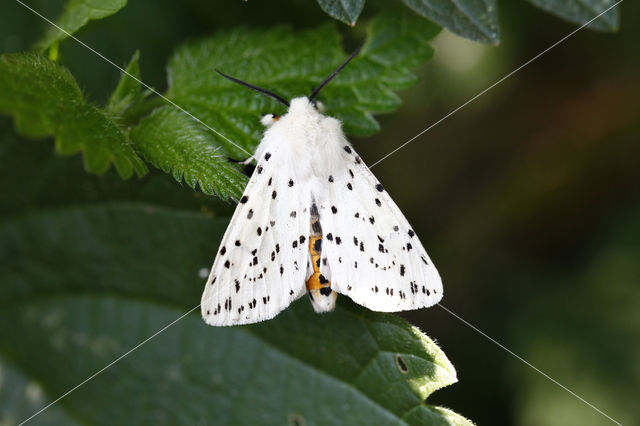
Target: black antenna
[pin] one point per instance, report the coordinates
(334, 73)
(256, 88)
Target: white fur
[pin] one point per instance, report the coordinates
(306, 147)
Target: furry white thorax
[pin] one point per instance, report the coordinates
(309, 139)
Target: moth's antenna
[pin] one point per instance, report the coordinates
(334, 73)
(256, 88)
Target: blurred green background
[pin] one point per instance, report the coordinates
(527, 199)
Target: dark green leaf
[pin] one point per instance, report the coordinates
(32, 178)
(288, 63)
(44, 99)
(396, 44)
(128, 92)
(21, 396)
(292, 64)
(83, 285)
(76, 14)
(346, 11)
(582, 11)
(177, 144)
(474, 19)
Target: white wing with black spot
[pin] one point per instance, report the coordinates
(261, 265)
(373, 255)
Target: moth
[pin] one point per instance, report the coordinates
(314, 219)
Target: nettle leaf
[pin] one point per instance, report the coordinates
(76, 14)
(289, 63)
(396, 44)
(292, 64)
(582, 11)
(44, 100)
(473, 19)
(346, 11)
(33, 178)
(177, 144)
(128, 92)
(81, 299)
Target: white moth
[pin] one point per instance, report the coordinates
(314, 219)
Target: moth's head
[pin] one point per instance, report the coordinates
(297, 104)
(298, 107)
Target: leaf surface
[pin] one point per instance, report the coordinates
(582, 11)
(293, 64)
(177, 144)
(81, 299)
(44, 100)
(346, 11)
(474, 19)
(75, 15)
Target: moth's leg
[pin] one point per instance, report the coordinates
(247, 161)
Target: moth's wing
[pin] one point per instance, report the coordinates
(373, 255)
(261, 265)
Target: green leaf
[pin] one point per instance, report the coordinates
(582, 11)
(473, 19)
(21, 397)
(76, 14)
(396, 44)
(33, 178)
(177, 144)
(292, 64)
(44, 99)
(128, 92)
(278, 59)
(71, 302)
(346, 11)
